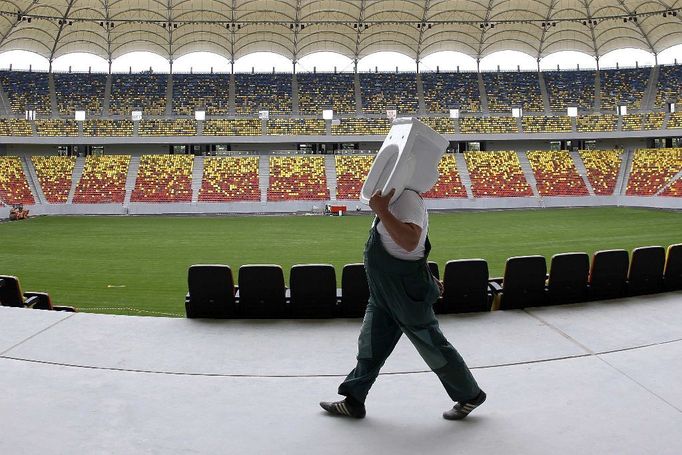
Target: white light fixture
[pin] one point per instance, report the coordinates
(79, 116)
(336, 122)
(572, 111)
(623, 110)
(264, 115)
(136, 116)
(391, 114)
(517, 112)
(454, 113)
(671, 107)
(199, 116)
(30, 114)
(327, 114)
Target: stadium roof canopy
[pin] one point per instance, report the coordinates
(355, 28)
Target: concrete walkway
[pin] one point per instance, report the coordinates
(590, 378)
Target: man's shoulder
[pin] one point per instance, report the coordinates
(410, 198)
(408, 206)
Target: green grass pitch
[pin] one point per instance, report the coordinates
(125, 264)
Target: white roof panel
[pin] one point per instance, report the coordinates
(354, 28)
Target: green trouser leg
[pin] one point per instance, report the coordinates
(378, 336)
(401, 297)
(444, 360)
(380, 333)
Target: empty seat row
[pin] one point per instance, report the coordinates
(467, 287)
(12, 295)
(572, 279)
(262, 292)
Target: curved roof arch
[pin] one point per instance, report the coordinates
(355, 28)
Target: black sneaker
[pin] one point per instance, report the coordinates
(344, 408)
(461, 410)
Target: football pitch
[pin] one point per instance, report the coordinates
(138, 265)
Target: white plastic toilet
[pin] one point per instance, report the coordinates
(408, 158)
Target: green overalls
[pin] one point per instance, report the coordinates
(401, 297)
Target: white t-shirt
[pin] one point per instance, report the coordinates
(408, 208)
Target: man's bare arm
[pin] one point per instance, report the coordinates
(406, 235)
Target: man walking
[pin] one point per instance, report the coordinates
(402, 292)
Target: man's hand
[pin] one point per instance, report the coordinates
(379, 203)
(441, 288)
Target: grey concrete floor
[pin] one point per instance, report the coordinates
(598, 378)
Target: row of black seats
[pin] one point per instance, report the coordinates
(262, 292)
(12, 295)
(571, 279)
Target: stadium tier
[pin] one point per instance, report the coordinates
(632, 122)
(210, 92)
(351, 171)
(108, 128)
(146, 92)
(57, 128)
(55, 174)
(14, 188)
(652, 169)
(445, 91)
(570, 88)
(379, 92)
(237, 127)
(382, 91)
(556, 174)
(674, 190)
(257, 92)
(26, 91)
(230, 179)
(320, 91)
(496, 174)
(602, 168)
(596, 123)
(623, 87)
(177, 127)
(79, 91)
(538, 124)
(103, 180)
(508, 89)
(289, 127)
(654, 120)
(669, 85)
(168, 178)
(164, 178)
(488, 125)
(443, 125)
(675, 120)
(449, 184)
(15, 127)
(297, 178)
(353, 126)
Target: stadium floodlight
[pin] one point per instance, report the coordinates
(136, 116)
(517, 112)
(80, 116)
(264, 115)
(199, 116)
(572, 111)
(454, 113)
(328, 114)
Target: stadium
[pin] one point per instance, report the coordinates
(180, 220)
